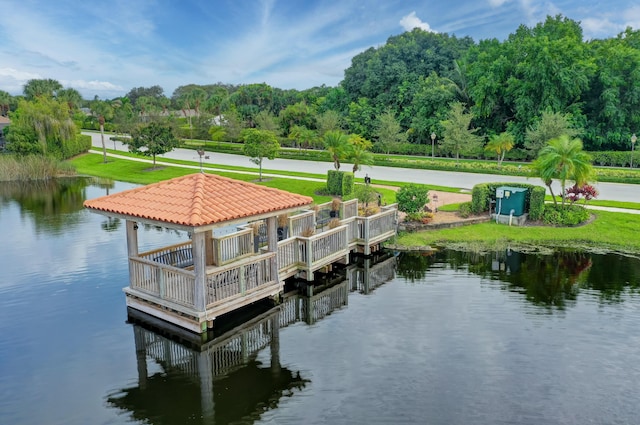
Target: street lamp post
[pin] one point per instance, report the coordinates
(633, 142)
(433, 139)
(201, 153)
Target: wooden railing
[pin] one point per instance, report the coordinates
(383, 223)
(353, 234)
(288, 257)
(349, 209)
(239, 271)
(173, 255)
(300, 222)
(233, 247)
(380, 224)
(317, 249)
(238, 278)
(165, 282)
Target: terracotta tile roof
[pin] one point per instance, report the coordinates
(198, 200)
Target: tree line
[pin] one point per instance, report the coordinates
(420, 93)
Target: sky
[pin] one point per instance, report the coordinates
(105, 48)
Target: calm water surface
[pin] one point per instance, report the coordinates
(452, 338)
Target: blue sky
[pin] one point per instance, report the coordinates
(107, 47)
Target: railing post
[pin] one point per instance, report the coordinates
(367, 248)
(243, 280)
(162, 290)
(309, 259)
(272, 241)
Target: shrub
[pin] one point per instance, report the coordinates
(412, 198)
(80, 144)
(575, 192)
(368, 210)
(339, 182)
(283, 220)
(333, 223)
(420, 216)
(308, 232)
(480, 197)
(347, 184)
(465, 209)
(536, 202)
(569, 215)
(365, 194)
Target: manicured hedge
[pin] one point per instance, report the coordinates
(615, 158)
(339, 183)
(70, 148)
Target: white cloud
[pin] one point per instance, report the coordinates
(411, 21)
(13, 80)
(632, 18)
(497, 3)
(82, 85)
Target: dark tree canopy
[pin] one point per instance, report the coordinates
(155, 138)
(137, 92)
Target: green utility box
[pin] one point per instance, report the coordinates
(510, 198)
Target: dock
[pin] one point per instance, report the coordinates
(278, 236)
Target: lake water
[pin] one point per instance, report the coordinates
(449, 338)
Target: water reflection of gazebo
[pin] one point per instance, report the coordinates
(221, 381)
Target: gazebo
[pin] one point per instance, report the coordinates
(191, 283)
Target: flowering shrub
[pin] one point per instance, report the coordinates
(587, 192)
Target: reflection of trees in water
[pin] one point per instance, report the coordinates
(550, 280)
(111, 224)
(52, 203)
(546, 280)
(413, 266)
(613, 276)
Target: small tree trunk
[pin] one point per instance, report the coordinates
(552, 195)
(104, 147)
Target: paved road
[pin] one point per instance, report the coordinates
(608, 191)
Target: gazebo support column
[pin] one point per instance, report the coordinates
(132, 245)
(272, 244)
(200, 269)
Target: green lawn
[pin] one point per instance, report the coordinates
(607, 232)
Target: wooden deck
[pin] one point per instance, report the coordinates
(164, 282)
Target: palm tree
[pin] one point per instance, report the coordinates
(359, 157)
(304, 136)
(563, 159)
(146, 105)
(198, 96)
(103, 110)
(71, 96)
(164, 102)
(359, 153)
(337, 144)
(41, 87)
(500, 144)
